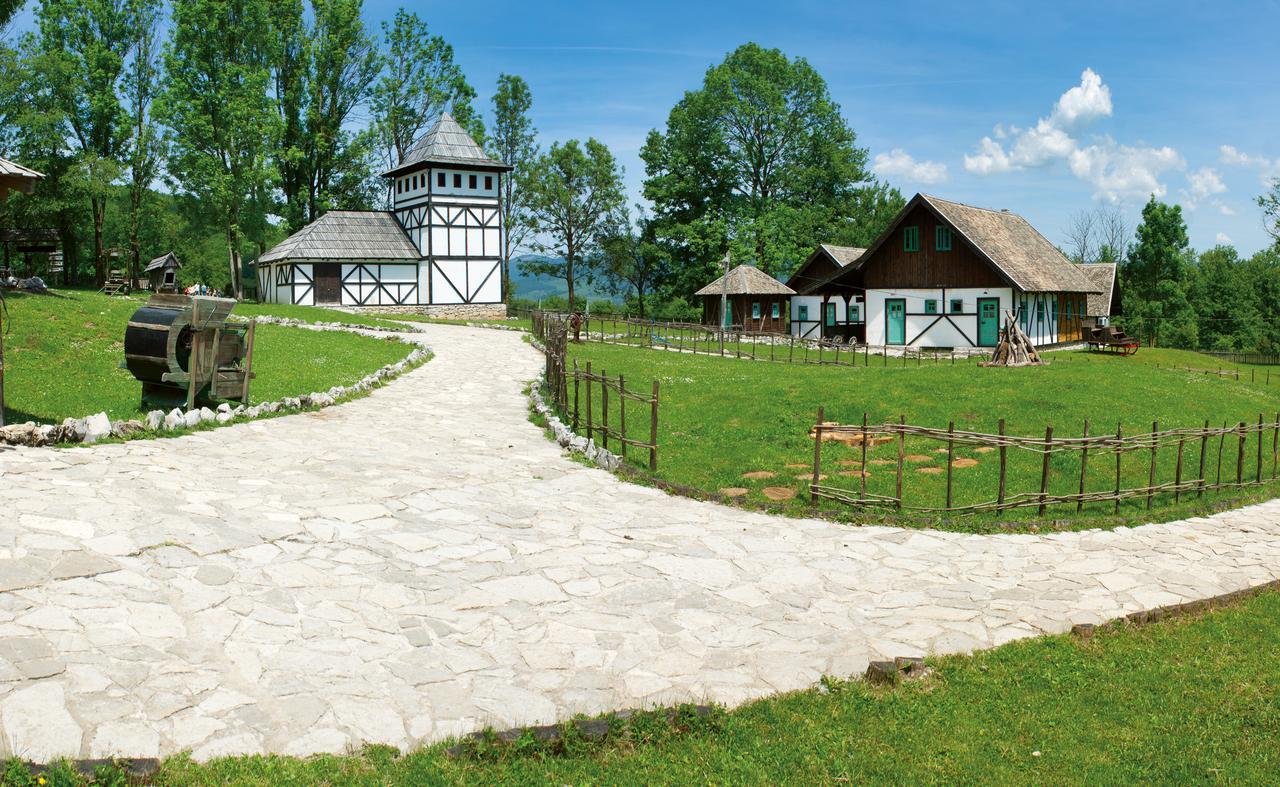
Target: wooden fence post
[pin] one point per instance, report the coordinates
(575, 395)
(653, 429)
(1084, 465)
(817, 456)
(951, 448)
(1260, 427)
(1222, 441)
(590, 424)
(1044, 467)
(1177, 474)
(1240, 454)
(1000, 490)
(863, 471)
(1119, 451)
(1275, 446)
(1151, 475)
(604, 408)
(1204, 445)
(622, 415)
(902, 451)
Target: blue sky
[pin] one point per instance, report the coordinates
(961, 100)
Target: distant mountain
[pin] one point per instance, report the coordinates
(541, 287)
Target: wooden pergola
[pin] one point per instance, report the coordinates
(13, 177)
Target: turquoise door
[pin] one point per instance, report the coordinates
(988, 322)
(895, 321)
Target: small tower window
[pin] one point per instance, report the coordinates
(440, 179)
(488, 182)
(457, 180)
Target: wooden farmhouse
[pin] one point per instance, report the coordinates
(945, 274)
(1105, 304)
(437, 251)
(757, 301)
(823, 313)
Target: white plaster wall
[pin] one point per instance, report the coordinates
(943, 333)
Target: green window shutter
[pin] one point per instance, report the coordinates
(942, 238)
(755, 311)
(775, 311)
(931, 306)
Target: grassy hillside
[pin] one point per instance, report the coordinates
(63, 356)
(722, 418)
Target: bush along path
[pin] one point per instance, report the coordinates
(423, 563)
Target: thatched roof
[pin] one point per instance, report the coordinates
(843, 255)
(347, 235)
(1103, 277)
(1013, 246)
(15, 177)
(746, 280)
(805, 281)
(447, 143)
(168, 260)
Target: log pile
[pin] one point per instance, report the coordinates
(1015, 348)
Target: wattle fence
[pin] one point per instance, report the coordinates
(593, 403)
(1190, 461)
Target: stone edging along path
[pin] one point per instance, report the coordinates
(97, 427)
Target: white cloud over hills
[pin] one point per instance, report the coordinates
(897, 163)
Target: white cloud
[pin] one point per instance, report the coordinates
(898, 163)
(1222, 239)
(1083, 103)
(1120, 171)
(1226, 210)
(1268, 169)
(1205, 182)
(1116, 171)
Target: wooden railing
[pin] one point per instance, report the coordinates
(1199, 442)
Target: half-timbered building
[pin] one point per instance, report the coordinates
(756, 300)
(820, 312)
(945, 274)
(438, 250)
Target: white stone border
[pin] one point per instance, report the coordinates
(566, 437)
(290, 322)
(98, 427)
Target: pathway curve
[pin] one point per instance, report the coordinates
(422, 562)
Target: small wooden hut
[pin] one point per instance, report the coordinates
(757, 301)
(162, 273)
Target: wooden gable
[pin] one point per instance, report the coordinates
(890, 266)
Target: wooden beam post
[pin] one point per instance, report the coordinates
(622, 415)
(604, 408)
(1177, 474)
(1003, 468)
(1260, 428)
(590, 423)
(951, 449)
(817, 456)
(1084, 465)
(1240, 439)
(902, 452)
(1044, 467)
(653, 429)
(575, 395)
(862, 472)
(1204, 447)
(1119, 451)
(248, 365)
(1151, 475)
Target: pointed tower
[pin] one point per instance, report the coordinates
(446, 196)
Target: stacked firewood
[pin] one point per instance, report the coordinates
(1015, 348)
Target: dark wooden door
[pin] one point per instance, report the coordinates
(328, 282)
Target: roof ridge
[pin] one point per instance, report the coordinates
(999, 211)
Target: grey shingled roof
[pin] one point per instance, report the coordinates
(747, 280)
(159, 262)
(347, 235)
(1103, 277)
(843, 255)
(10, 169)
(447, 143)
(1025, 256)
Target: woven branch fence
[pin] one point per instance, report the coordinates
(594, 401)
(1199, 452)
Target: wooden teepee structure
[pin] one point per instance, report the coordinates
(1015, 348)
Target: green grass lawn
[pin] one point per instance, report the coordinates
(63, 355)
(722, 417)
(1183, 701)
(312, 314)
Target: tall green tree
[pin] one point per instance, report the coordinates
(762, 147)
(575, 199)
(1225, 301)
(144, 145)
(419, 81)
(216, 102)
(514, 141)
(290, 67)
(84, 46)
(632, 260)
(1155, 278)
(1270, 204)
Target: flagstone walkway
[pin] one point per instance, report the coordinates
(423, 562)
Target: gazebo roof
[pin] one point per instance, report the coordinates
(746, 280)
(449, 144)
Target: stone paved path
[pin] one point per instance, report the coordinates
(423, 562)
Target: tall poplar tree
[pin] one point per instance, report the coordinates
(144, 147)
(514, 141)
(1155, 278)
(217, 105)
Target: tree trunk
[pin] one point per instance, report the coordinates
(135, 245)
(99, 262)
(233, 259)
(568, 277)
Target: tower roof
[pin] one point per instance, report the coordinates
(447, 143)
